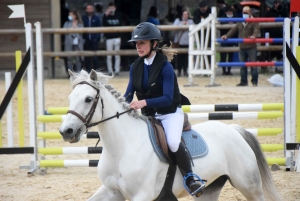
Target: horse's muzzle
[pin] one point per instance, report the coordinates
(69, 135)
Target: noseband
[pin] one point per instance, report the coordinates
(89, 116)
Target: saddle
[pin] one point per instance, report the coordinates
(160, 135)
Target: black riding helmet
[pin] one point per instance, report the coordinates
(146, 31)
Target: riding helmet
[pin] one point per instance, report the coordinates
(145, 31)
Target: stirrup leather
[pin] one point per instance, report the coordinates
(197, 191)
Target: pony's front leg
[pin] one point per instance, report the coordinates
(105, 194)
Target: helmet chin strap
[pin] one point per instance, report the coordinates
(151, 49)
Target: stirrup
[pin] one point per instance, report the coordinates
(197, 192)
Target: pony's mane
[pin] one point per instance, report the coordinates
(103, 79)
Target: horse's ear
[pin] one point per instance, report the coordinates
(71, 73)
(93, 75)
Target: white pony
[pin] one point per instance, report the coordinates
(130, 170)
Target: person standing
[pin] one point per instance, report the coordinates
(247, 50)
(152, 15)
(276, 11)
(201, 13)
(74, 41)
(228, 13)
(182, 37)
(113, 40)
(91, 40)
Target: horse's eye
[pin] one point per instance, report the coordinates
(88, 99)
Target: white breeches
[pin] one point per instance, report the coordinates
(173, 124)
(113, 44)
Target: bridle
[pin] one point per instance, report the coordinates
(89, 116)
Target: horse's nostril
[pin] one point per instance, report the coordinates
(69, 131)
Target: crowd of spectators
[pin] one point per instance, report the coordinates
(180, 15)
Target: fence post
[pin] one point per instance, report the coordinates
(287, 95)
(9, 115)
(31, 99)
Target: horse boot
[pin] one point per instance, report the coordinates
(184, 163)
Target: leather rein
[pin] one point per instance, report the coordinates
(89, 116)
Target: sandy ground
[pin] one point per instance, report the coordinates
(81, 183)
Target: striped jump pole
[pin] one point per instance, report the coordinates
(194, 116)
(95, 135)
(69, 150)
(57, 110)
(94, 163)
(69, 163)
(272, 147)
(249, 40)
(232, 107)
(249, 64)
(98, 150)
(203, 108)
(57, 135)
(235, 116)
(265, 131)
(260, 19)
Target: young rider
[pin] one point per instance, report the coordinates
(153, 80)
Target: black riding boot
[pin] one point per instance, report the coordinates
(184, 163)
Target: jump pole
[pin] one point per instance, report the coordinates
(94, 163)
(194, 116)
(9, 113)
(204, 108)
(70, 150)
(98, 150)
(69, 163)
(57, 135)
(18, 55)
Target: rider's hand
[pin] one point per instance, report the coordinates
(138, 104)
(224, 37)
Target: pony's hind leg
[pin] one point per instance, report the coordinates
(249, 184)
(105, 194)
(212, 192)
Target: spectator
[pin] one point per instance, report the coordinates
(275, 11)
(113, 40)
(247, 50)
(228, 13)
(198, 15)
(171, 16)
(182, 37)
(64, 13)
(222, 6)
(168, 20)
(152, 15)
(99, 11)
(201, 13)
(238, 9)
(91, 40)
(74, 41)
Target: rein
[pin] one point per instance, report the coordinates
(90, 115)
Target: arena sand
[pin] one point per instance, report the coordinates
(81, 183)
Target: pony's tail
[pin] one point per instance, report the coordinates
(168, 51)
(270, 191)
